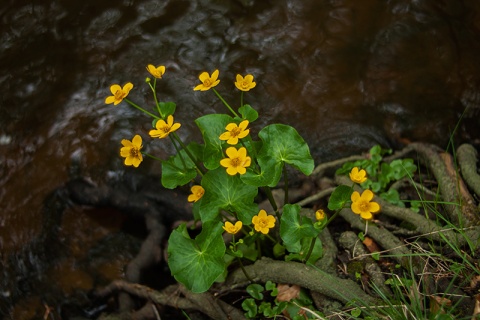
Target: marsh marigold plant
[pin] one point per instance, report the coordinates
(358, 176)
(263, 222)
(131, 151)
(163, 129)
(225, 181)
(245, 83)
(157, 72)
(208, 81)
(235, 132)
(362, 204)
(197, 193)
(119, 93)
(237, 161)
(232, 228)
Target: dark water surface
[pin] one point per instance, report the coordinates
(347, 74)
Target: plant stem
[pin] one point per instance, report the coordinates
(178, 152)
(243, 270)
(310, 250)
(150, 156)
(285, 178)
(141, 109)
(225, 103)
(241, 99)
(200, 170)
(272, 201)
(155, 97)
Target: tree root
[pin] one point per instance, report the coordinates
(344, 290)
(170, 296)
(451, 185)
(467, 159)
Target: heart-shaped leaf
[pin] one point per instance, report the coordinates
(340, 196)
(223, 191)
(197, 263)
(179, 169)
(282, 144)
(211, 127)
(294, 227)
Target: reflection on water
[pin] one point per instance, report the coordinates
(346, 75)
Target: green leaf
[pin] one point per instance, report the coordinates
(248, 113)
(197, 263)
(167, 108)
(265, 177)
(250, 306)
(294, 228)
(300, 251)
(229, 193)
(340, 196)
(212, 126)
(282, 144)
(376, 256)
(256, 291)
(177, 172)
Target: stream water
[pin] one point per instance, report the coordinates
(347, 74)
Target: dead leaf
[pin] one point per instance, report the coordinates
(371, 245)
(438, 303)
(287, 292)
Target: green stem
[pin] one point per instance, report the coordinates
(200, 170)
(141, 109)
(225, 103)
(178, 152)
(272, 201)
(155, 97)
(310, 250)
(241, 99)
(285, 178)
(243, 270)
(150, 156)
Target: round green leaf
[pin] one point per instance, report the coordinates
(223, 191)
(283, 144)
(197, 263)
(248, 113)
(211, 127)
(339, 197)
(294, 228)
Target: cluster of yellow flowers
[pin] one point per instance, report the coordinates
(237, 160)
(361, 203)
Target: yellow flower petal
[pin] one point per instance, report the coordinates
(114, 88)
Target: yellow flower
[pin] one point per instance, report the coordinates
(197, 193)
(237, 161)
(235, 132)
(358, 176)
(361, 204)
(245, 84)
(263, 222)
(156, 72)
(164, 128)
(232, 229)
(131, 151)
(320, 215)
(119, 93)
(207, 81)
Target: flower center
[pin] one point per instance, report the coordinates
(262, 223)
(235, 162)
(166, 129)
(244, 84)
(119, 95)
(134, 152)
(207, 82)
(363, 205)
(235, 132)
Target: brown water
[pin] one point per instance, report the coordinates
(347, 74)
